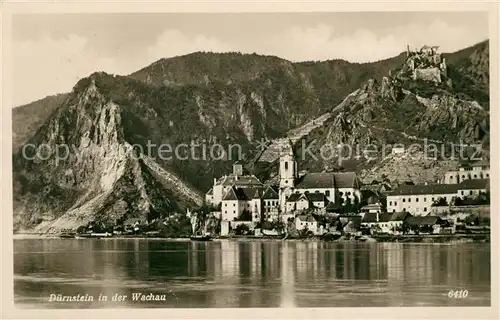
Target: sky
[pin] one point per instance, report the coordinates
(51, 52)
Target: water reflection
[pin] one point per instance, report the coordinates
(251, 274)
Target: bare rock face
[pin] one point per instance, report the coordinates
(429, 74)
(97, 175)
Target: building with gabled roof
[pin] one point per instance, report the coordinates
(418, 199)
(307, 221)
(238, 178)
(468, 169)
(473, 187)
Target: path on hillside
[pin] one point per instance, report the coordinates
(271, 153)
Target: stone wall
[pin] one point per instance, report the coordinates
(482, 211)
(429, 74)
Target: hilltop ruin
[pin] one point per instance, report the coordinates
(424, 64)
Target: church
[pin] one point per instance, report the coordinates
(243, 197)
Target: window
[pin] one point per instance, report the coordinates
(327, 193)
(225, 211)
(286, 165)
(390, 203)
(409, 199)
(404, 200)
(234, 204)
(432, 199)
(317, 191)
(395, 203)
(416, 199)
(463, 176)
(225, 204)
(234, 211)
(341, 193)
(348, 193)
(462, 192)
(425, 199)
(475, 176)
(286, 181)
(487, 175)
(404, 209)
(425, 209)
(393, 210)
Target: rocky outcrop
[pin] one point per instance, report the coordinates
(97, 175)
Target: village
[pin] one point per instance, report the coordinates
(330, 205)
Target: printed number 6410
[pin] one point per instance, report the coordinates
(458, 294)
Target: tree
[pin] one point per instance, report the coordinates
(305, 233)
(440, 202)
(376, 228)
(278, 225)
(456, 201)
(241, 229)
(245, 215)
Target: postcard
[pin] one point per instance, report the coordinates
(265, 160)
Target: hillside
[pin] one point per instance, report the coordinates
(28, 118)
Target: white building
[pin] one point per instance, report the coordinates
(307, 221)
(473, 187)
(237, 179)
(418, 199)
(249, 204)
(468, 170)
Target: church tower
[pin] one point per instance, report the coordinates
(287, 173)
(288, 167)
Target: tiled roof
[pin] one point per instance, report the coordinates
(247, 193)
(210, 192)
(239, 181)
(346, 180)
(317, 196)
(369, 217)
(270, 193)
(372, 217)
(328, 180)
(422, 189)
(430, 220)
(234, 194)
(400, 216)
(372, 206)
(474, 184)
(306, 218)
(471, 218)
(317, 180)
(332, 207)
(294, 197)
(414, 220)
(472, 163)
(384, 217)
(423, 220)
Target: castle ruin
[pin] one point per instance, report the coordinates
(425, 64)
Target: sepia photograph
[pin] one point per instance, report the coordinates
(198, 160)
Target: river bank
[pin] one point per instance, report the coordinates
(453, 238)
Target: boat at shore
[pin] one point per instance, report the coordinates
(67, 235)
(201, 238)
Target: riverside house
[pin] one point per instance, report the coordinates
(418, 199)
(307, 221)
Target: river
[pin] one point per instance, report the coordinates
(226, 274)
